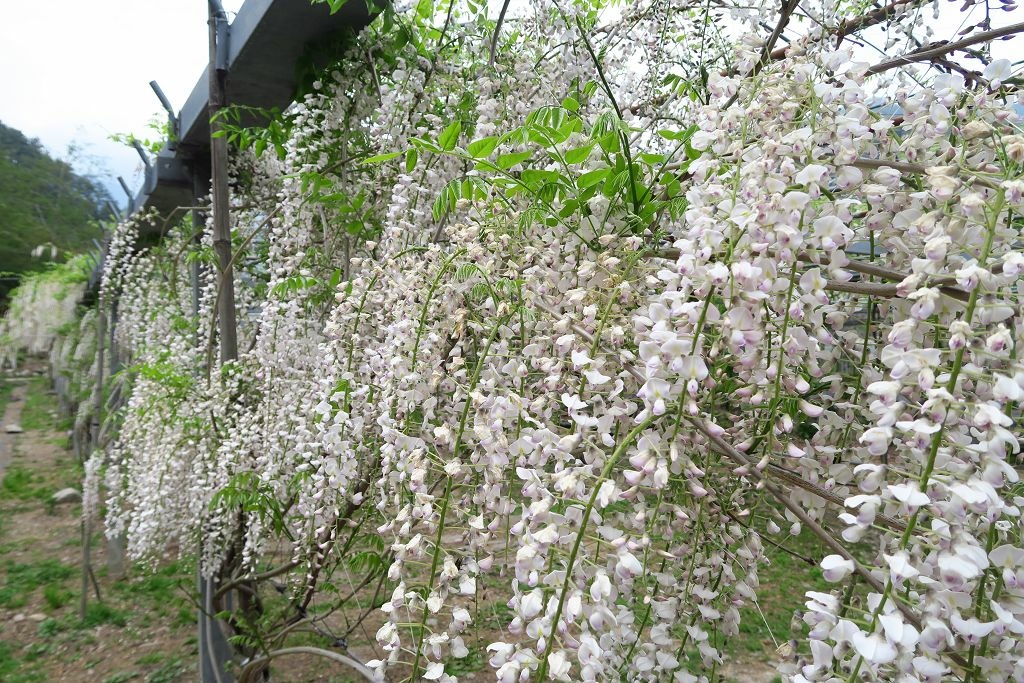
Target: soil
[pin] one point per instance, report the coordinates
(134, 634)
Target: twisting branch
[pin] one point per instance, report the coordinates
(785, 14)
(777, 470)
(883, 290)
(929, 52)
(726, 449)
(876, 289)
(257, 664)
(904, 167)
(795, 479)
(850, 26)
(497, 30)
(775, 544)
(874, 17)
(258, 578)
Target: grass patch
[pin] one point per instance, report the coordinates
(56, 596)
(162, 585)
(149, 659)
(5, 394)
(23, 485)
(472, 662)
(165, 588)
(37, 411)
(11, 669)
(19, 483)
(22, 580)
(169, 672)
(34, 651)
(50, 627)
(784, 580)
(97, 614)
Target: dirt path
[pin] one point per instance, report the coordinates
(11, 420)
(143, 628)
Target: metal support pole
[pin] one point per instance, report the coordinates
(200, 187)
(114, 211)
(172, 120)
(128, 193)
(149, 176)
(214, 650)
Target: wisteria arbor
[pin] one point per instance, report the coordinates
(582, 307)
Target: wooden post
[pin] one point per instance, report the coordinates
(219, 196)
(94, 439)
(214, 650)
(115, 544)
(200, 186)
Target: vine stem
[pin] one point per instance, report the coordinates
(430, 295)
(932, 51)
(351, 663)
(436, 558)
(933, 450)
(727, 449)
(605, 471)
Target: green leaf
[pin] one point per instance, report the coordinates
(420, 143)
(547, 116)
(571, 104)
(482, 148)
(535, 178)
(678, 134)
(610, 142)
(450, 136)
(578, 155)
(672, 185)
(411, 157)
(653, 159)
(592, 178)
(569, 208)
(507, 161)
(446, 199)
(488, 166)
(381, 158)
(616, 184)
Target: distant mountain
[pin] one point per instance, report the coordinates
(41, 201)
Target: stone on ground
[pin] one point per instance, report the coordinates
(67, 495)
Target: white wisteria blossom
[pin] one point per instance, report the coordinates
(544, 352)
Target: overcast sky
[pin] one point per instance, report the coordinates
(78, 71)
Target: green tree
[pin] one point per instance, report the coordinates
(42, 200)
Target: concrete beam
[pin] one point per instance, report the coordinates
(268, 38)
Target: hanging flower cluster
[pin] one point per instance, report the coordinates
(583, 324)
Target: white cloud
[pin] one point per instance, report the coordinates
(73, 71)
